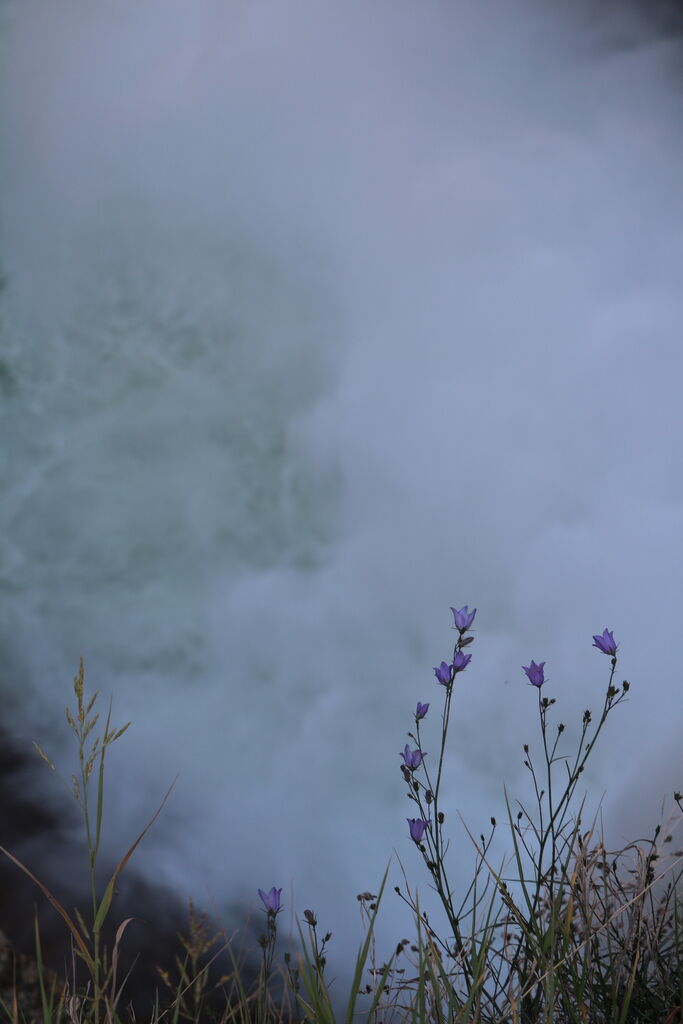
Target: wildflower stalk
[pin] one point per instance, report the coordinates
(430, 838)
(545, 840)
(267, 942)
(538, 946)
(437, 848)
(557, 813)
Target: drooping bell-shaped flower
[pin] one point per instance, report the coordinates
(606, 643)
(443, 673)
(271, 900)
(412, 758)
(463, 618)
(417, 828)
(535, 673)
(461, 661)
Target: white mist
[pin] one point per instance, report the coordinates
(322, 318)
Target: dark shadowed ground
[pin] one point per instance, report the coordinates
(45, 839)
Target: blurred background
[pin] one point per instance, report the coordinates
(318, 318)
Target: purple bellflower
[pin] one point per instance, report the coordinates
(463, 618)
(443, 673)
(412, 758)
(461, 661)
(271, 900)
(606, 643)
(535, 673)
(420, 711)
(417, 828)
